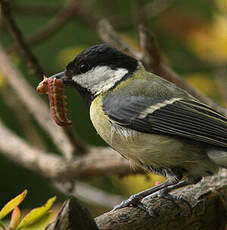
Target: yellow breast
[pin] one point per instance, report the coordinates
(99, 119)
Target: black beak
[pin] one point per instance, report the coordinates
(66, 80)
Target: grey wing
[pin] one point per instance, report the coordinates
(179, 117)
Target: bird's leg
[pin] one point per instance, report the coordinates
(164, 193)
(135, 199)
(168, 189)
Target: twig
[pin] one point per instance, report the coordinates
(99, 161)
(152, 58)
(27, 156)
(12, 26)
(79, 145)
(208, 209)
(109, 35)
(156, 7)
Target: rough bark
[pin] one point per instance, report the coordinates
(208, 200)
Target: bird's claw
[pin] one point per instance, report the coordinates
(134, 202)
(131, 201)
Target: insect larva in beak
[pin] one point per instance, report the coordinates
(42, 88)
(54, 88)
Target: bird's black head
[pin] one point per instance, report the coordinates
(98, 69)
(100, 55)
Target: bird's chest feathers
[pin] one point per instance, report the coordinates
(119, 138)
(100, 120)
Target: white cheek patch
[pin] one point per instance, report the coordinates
(100, 78)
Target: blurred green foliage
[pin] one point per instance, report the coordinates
(178, 21)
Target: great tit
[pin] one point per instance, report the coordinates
(148, 120)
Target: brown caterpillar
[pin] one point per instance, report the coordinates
(54, 88)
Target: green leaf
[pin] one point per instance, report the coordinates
(12, 204)
(35, 214)
(41, 223)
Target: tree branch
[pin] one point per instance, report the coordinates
(109, 35)
(151, 54)
(208, 200)
(156, 7)
(99, 161)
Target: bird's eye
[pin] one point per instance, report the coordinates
(84, 68)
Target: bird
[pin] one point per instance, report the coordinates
(148, 120)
